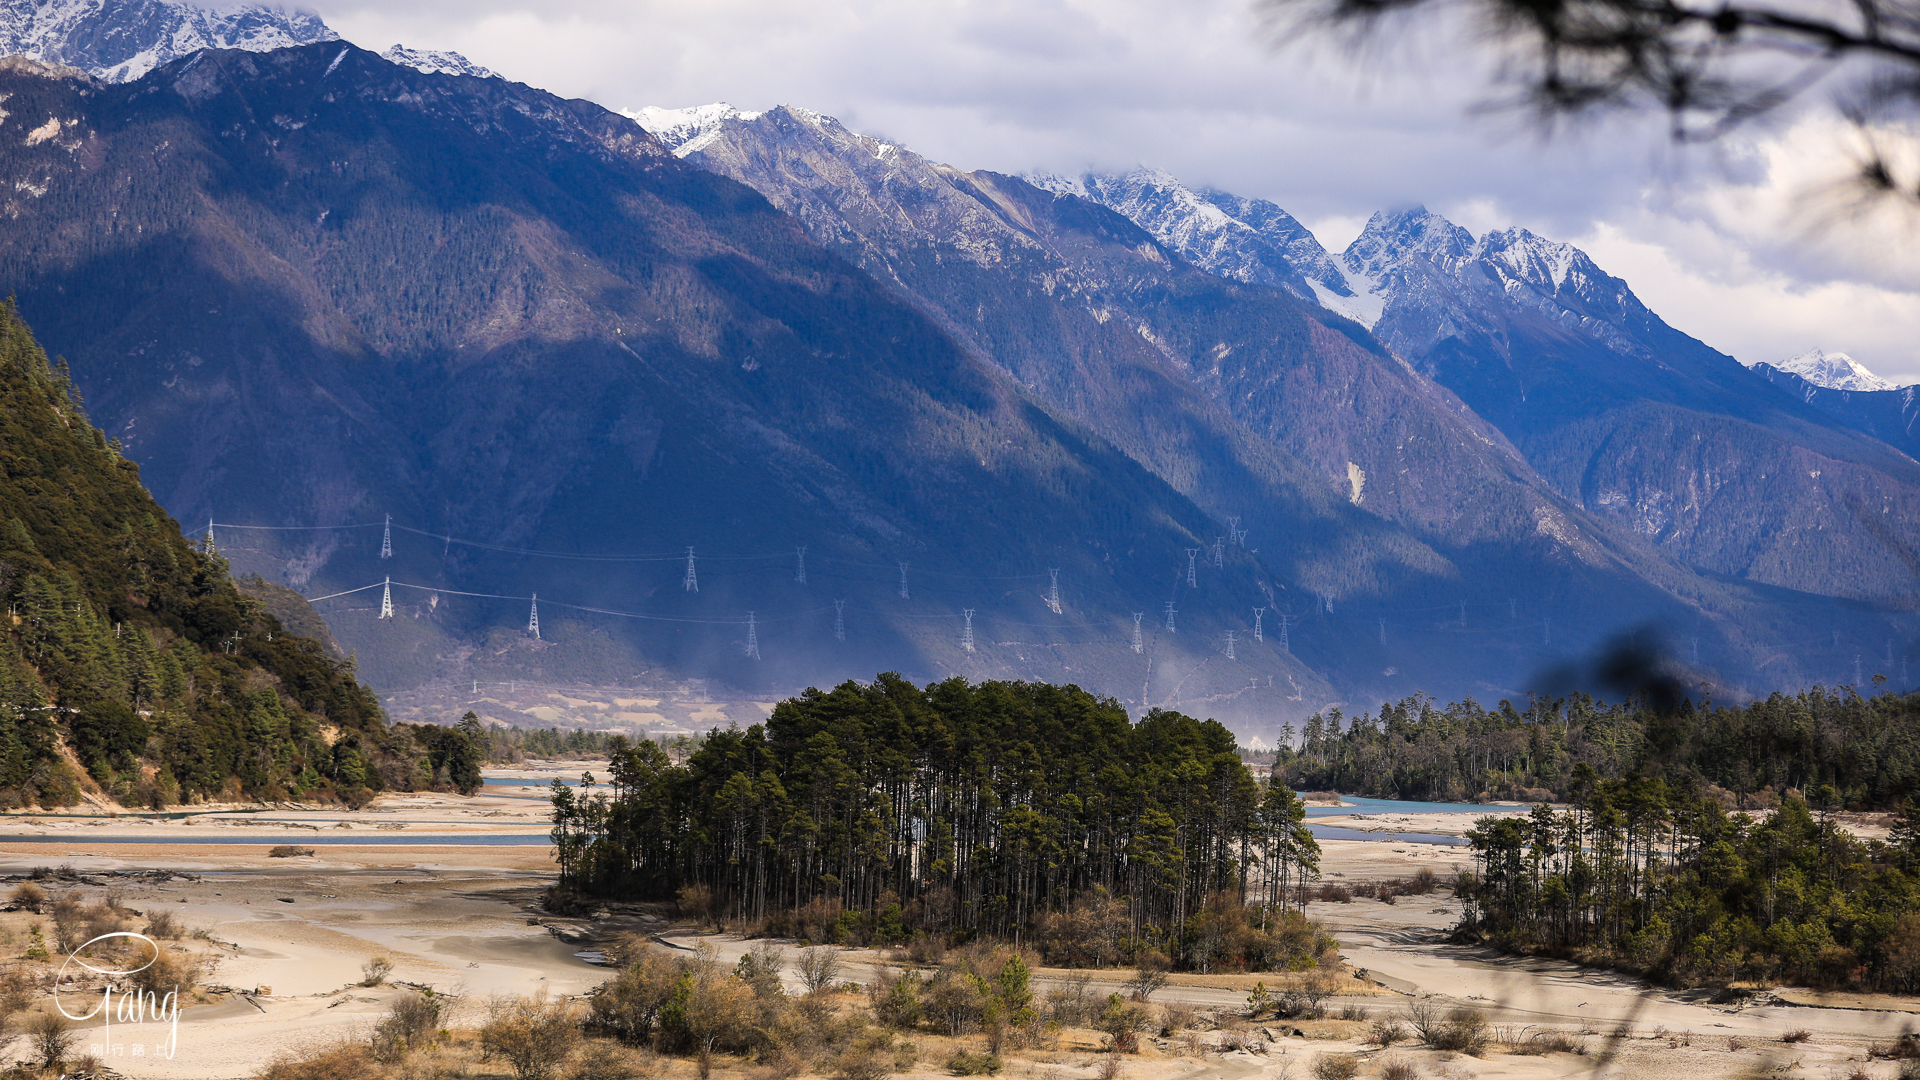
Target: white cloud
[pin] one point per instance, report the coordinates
(1713, 240)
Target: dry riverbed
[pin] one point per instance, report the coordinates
(448, 889)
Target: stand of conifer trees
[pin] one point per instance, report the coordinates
(1660, 879)
(1837, 747)
(954, 810)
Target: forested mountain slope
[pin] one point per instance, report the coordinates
(131, 664)
(1891, 415)
(332, 288)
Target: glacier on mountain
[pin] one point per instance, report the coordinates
(1834, 371)
(121, 40)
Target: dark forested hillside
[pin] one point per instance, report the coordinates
(958, 810)
(131, 663)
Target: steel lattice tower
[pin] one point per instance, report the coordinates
(966, 635)
(386, 599)
(386, 539)
(1139, 645)
(533, 618)
(691, 583)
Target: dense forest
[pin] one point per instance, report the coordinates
(1007, 810)
(1659, 878)
(1836, 747)
(132, 666)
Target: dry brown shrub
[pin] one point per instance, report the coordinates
(163, 926)
(346, 1061)
(51, 1037)
(1384, 1031)
(1797, 1035)
(29, 897)
(532, 1035)
(601, 1059)
(173, 970)
(1399, 1069)
(412, 1020)
(1336, 1067)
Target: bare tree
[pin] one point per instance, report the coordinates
(1709, 64)
(52, 1037)
(818, 967)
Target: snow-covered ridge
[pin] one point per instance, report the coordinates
(121, 40)
(1250, 240)
(1834, 371)
(687, 131)
(437, 62)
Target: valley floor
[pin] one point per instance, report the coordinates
(452, 900)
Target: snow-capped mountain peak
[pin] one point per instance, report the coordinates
(1835, 371)
(687, 131)
(1250, 240)
(437, 62)
(1391, 236)
(1540, 262)
(121, 40)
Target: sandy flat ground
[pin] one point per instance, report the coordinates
(463, 917)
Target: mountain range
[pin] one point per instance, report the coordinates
(890, 404)
(1636, 422)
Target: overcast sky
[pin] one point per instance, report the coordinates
(1728, 243)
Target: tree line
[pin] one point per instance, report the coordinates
(1834, 746)
(1659, 878)
(133, 650)
(958, 810)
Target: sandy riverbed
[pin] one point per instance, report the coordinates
(463, 917)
